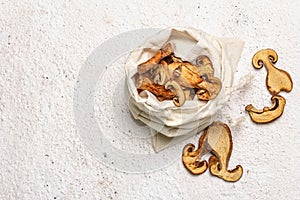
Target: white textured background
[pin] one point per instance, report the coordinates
(43, 45)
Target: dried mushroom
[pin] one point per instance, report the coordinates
(184, 76)
(217, 140)
(267, 114)
(213, 87)
(160, 75)
(203, 95)
(175, 88)
(181, 79)
(203, 60)
(191, 158)
(158, 90)
(220, 140)
(189, 93)
(277, 80)
(162, 53)
(204, 66)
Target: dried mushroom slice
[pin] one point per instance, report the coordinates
(184, 76)
(203, 60)
(175, 88)
(267, 114)
(214, 86)
(158, 90)
(217, 140)
(191, 158)
(204, 66)
(160, 75)
(220, 140)
(277, 80)
(192, 68)
(211, 89)
(162, 53)
(203, 95)
(136, 80)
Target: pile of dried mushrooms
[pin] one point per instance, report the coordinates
(170, 78)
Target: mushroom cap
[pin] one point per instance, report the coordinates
(263, 55)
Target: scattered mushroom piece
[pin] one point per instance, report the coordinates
(192, 159)
(162, 53)
(158, 90)
(175, 88)
(267, 114)
(220, 140)
(217, 140)
(277, 80)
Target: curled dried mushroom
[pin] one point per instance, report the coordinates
(267, 114)
(277, 79)
(181, 79)
(216, 139)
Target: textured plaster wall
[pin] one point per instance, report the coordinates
(44, 44)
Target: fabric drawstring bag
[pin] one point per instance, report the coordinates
(170, 124)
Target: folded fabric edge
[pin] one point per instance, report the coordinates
(161, 142)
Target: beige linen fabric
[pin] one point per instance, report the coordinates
(170, 124)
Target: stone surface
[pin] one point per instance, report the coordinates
(44, 44)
